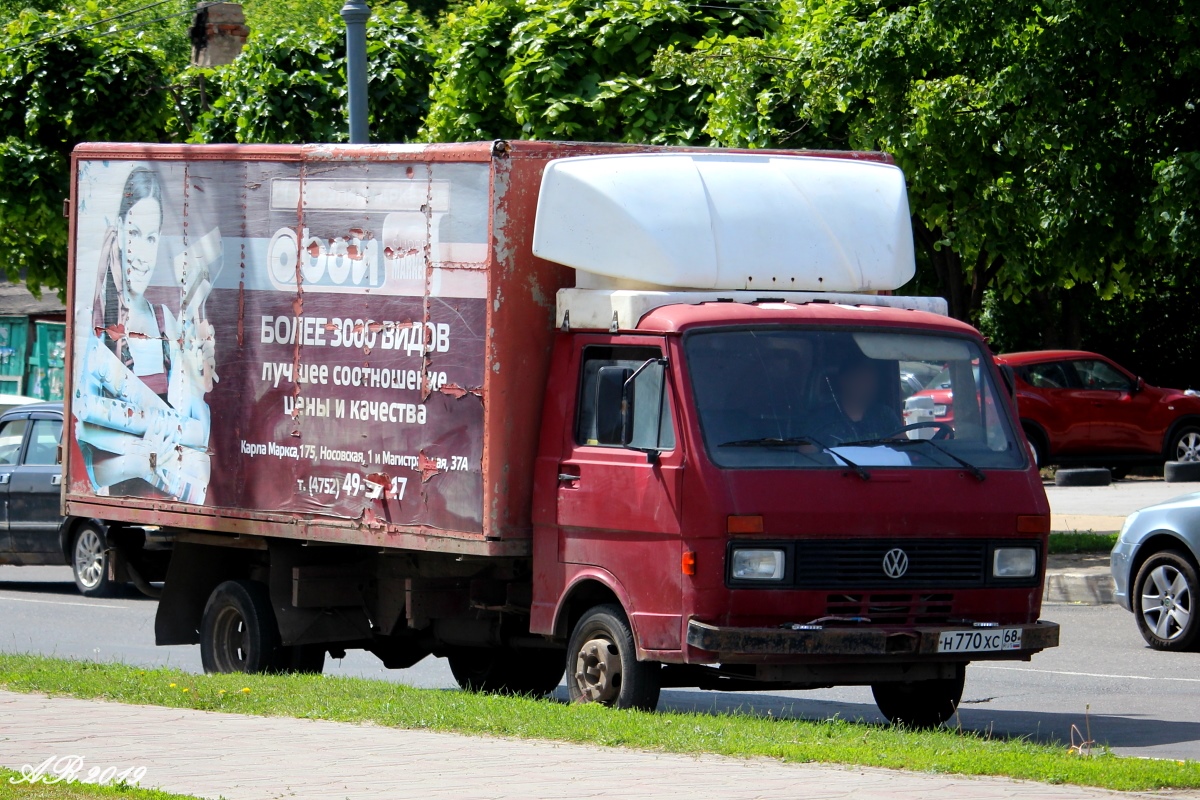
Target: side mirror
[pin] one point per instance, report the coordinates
(612, 416)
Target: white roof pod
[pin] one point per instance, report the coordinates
(727, 222)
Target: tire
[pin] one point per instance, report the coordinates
(1037, 447)
(1164, 597)
(1087, 476)
(89, 561)
(238, 632)
(1185, 444)
(530, 672)
(1181, 471)
(602, 665)
(920, 704)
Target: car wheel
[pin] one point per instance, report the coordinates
(602, 665)
(1185, 445)
(89, 561)
(1087, 476)
(1164, 602)
(920, 704)
(238, 632)
(1037, 447)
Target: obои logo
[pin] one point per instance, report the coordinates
(895, 563)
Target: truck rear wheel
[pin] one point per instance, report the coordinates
(920, 704)
(529, 671)
(602, 665)
(238, 632)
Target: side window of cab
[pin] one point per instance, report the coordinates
(623, 399)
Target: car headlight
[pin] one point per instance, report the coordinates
(1014, 562)
(757, 565)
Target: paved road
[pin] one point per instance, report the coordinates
(1119, 499)
(1141, 702)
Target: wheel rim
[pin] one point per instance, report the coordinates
(89, 558)
(598, 671)
(229, 641)
(1166, 602)
(1188, 448)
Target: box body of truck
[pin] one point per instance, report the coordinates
(535, 406)
(378, 333)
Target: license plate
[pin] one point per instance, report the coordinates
(980, 641)
(939, 411)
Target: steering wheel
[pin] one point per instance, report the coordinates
(944, 431)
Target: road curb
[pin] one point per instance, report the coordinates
(1089, 587)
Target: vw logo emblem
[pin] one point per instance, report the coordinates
(895, 563)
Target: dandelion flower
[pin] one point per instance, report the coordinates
(246, 690)
(186, 690)
(173, 686)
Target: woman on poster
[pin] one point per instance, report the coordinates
(143, 422)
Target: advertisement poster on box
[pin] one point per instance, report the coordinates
(283, 336)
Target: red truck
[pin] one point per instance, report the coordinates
(628, 413)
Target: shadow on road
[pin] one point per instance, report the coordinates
(1050, 728)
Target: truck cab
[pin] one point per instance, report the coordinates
(732, 472)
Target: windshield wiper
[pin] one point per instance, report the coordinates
(974, 470)
(794, 441)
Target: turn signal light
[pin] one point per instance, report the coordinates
(689, 562)
(1039, 523)
(744, 523)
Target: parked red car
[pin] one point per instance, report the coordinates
(1079, 407)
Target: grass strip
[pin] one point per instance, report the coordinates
(1082, 542)
(9, 788)
(738, 735)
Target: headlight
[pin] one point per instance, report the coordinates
(1014, 562)
(757, 565)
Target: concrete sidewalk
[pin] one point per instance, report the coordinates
(252, 758)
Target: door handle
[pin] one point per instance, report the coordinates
(56, 480)
(563, 477)
(4, 478)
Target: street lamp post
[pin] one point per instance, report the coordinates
(356, 13)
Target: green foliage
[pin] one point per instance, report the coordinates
(568, 69)
(1046, 144)
(53, 95)
(292, 88)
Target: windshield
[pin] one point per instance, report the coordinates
(871, 398)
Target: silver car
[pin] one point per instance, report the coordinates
(1154, 565)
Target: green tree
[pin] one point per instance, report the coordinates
(292, 87)
(1046, 144)
(569, 69)
(55, 93)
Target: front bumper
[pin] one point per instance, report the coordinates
(746, 645)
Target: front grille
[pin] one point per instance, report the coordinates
(891, 608)
(859, 564)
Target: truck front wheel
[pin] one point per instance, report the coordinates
(602, 665)
(920, 704)
(238, 632)
(523, 671)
